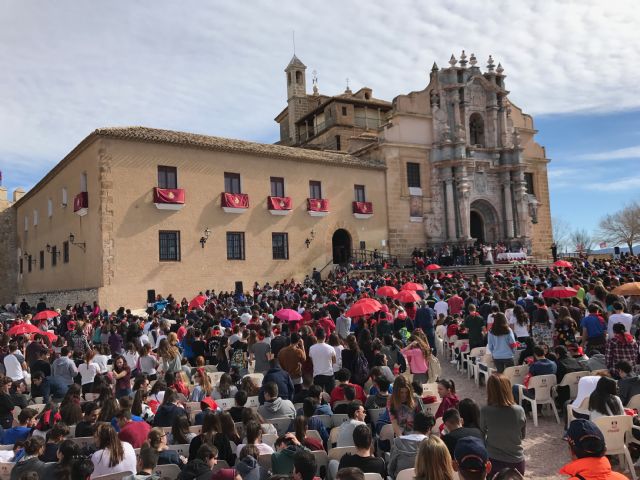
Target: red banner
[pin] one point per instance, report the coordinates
(235, 200)
(317, 204)
(279, 203)
(168, 195)
(80, 201)
(363, 207)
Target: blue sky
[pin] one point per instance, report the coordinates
(216, 67)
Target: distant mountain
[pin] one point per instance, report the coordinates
(609, 250)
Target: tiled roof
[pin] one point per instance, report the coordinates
(156, 135)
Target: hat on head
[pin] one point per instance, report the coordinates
(209, 402)
(471, 454)
(585, 438)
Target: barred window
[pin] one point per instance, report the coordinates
(167, 177)
(277, 187)
(169, 246)
(235, 245)
(413, 175)
(280, 246)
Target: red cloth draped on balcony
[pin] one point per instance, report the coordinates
(279, 203)
(168, 195)
(235, 200)
(363, 207)
(80, 201)
(317, 204)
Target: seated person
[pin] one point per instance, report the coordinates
(350, 397)
(274, 406)
(247, 465)
(200, 467)
(541, 366)
(381, 398)
(86, 427)
(405, 448)
(363, 458)
(18, 392)
(207, 405)
(356, 416)
(147, 462)
(236, 411)
(322, 408)
(300, 395)
(47, 387)
(282, 459)
(55, 437)
(629, 383)
(454, 425)
(343, 376)
(304, 466)
(26, 422)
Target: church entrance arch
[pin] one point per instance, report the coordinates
(341, 246)
(484, 222)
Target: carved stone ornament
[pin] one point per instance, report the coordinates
(432, 227)
(480, 182)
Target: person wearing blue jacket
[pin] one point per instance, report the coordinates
(501, 342)
(281, 378)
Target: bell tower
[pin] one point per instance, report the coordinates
(296, 95)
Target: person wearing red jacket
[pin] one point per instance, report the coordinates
(337, 394)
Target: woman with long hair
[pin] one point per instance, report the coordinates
(501, 342)
(604, 401)
(447, 393)
(250, 415)
(417, 353)
(122, 375)
(212, 435)
(70, 409)
(157, 440)
(249, 386)
(226, 388)
(180, 433)
(228, 427)
(140, 407)
(403, 406)
(520, 323)
(203, 386)
(433, 461)
(55, 437)
(33, 448)
(566, 327)
(112, 455)
(169, 410)
(350, 354)
(109, 406)
(169, 355)
(334, 341)
(67, 454)
(222, 355)
(504, 423)
(300, 425)
(88, 371)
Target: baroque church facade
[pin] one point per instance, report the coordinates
(462, 164)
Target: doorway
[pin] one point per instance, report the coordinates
(341, 243)
(477, 226)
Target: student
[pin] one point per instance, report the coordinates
(26, 422)
(471, 459)
(405, 448)
(112, 455)
(281, 378)
(169, 410)
(157, 440)
(454, 425)
(304, 466)
(203, 386)
(33, 448)
(147, 462)
(133, 432)
(285, 449)
(604, 400)
(323, 357)
(55, 437)
(86, 427)
(403, 406)
(504, 423)
(433, 461)
(212, 435)
(356, 414)
(247, 465)
(240, 399)
(501, 342)
(587, 448)
(363, 458)
(202, 464)
(338, 393)
(253, 434)
(447, 392)
(381, 397)
(629, 383)
(274, 406)
(6, 404)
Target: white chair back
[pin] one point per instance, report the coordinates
(634, 402)
(256, 377)
(615, 429)
(168, 471)
(269, 439)
(326, 420)
(406, 474)
(372, 476)
(431, 408)
(338, 452)
(322, 460)
(314, 434)
(374, 414)
(387, 433)
(264, 459)
(281, 424)
(477, 352)
(571, 380)
(516, 374)
(226, 403)
(253, 402)
(542, 385)
(113, 476)
(338, 419)
(182, 449)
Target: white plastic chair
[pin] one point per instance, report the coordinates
(338, 452)
(322, 461)
(634, 402)
(431, 408)
(197, 429)
(182, 449)
(387, 433)
(333, 437)
(253, 402)
(571, 380)
(584, 406)
(215, 377)
(372, 476)
(264, 459)
(615, 430)
(542, 385)
(338, 419)
(83, 441)
(281, 424)
(314, 434)
(256, 377)
(168, 471)
(374, 414)
(326, 420)
(516, 374)
(269, 439)
(226, 403)
(467, 359)
(406, 474)
(115, 476)
(486, 372)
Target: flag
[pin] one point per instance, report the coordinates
(363, 207)
(279, 203)
(80, 201)
(317, 204)
(603, 244)
(168, 195)
(235, 200)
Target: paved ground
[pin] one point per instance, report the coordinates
(545, 450)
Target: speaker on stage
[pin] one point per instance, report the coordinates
(151, 296)
(239, 287)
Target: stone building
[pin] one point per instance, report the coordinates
(135, 211)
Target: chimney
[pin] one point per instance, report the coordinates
(3, 194)
(18, 193)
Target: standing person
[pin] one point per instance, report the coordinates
(520, 324)
(64, 367)
(417, 354)
(618, 316)
(425, 320)
(148, 363)
(122, 375)
(6, 404)
(354, 360)
(203, 386)
(88, 372)
(403, 406)
(504, 423)
(541, 328)
(323, 357)
(433, 461)
(291, 359)
(170, 358)
(260, 352)
(474, 323)
(587, 448)
(501, 342)
(593, 329)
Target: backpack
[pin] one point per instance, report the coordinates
(361, 369)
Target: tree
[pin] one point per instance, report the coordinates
(582, 241)
(561, 233)
(622, 227)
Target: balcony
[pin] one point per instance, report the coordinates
(279, 205)
(362, 210)
(81, 204)
(234, 202)
(318, 207)
(168, 198)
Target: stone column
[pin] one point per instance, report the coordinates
(464, 193)
(451, 209)
(508, 206)
(521, 199)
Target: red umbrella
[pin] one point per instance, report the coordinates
(559, 292)
(23, 329)
(433, 266)
(288, 315)
(412, 286)
(363, 307)
(563, 264)
(386, 291)
(407, 296)
(45, 315)
(197, 302)
(52, 336)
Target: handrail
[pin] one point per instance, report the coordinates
(329, 263)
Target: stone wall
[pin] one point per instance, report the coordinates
(8, 255)
(60, 298)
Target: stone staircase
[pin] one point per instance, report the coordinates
(469, 270)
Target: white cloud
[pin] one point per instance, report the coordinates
(216, 67)
(617, 154)
(614, 185)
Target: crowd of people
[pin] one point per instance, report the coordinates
(456, 255)
(223, 388)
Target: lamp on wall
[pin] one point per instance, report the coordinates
(53, 249)
(205, 237)
(312, 236)
(72, 241)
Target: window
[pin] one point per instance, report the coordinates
(298, 77)
(35, 218)
(363, 245)
(64, 196)
(359, 193)
(41, 259)
(50, 208)
(338, 142)
(344, 110)
(29, 259)
(21, 265)
(315, 189)
(476, 130)
(169, 246)
(280, 246)
(528, 179)
(232, 182)
(54, 256)
(413, 175)
(167, 177)
(277, 187)
(83, 182)
(26, 223)
(235, 245)
(65, 252)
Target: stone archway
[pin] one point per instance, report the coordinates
(341, 244)
(484, 222)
